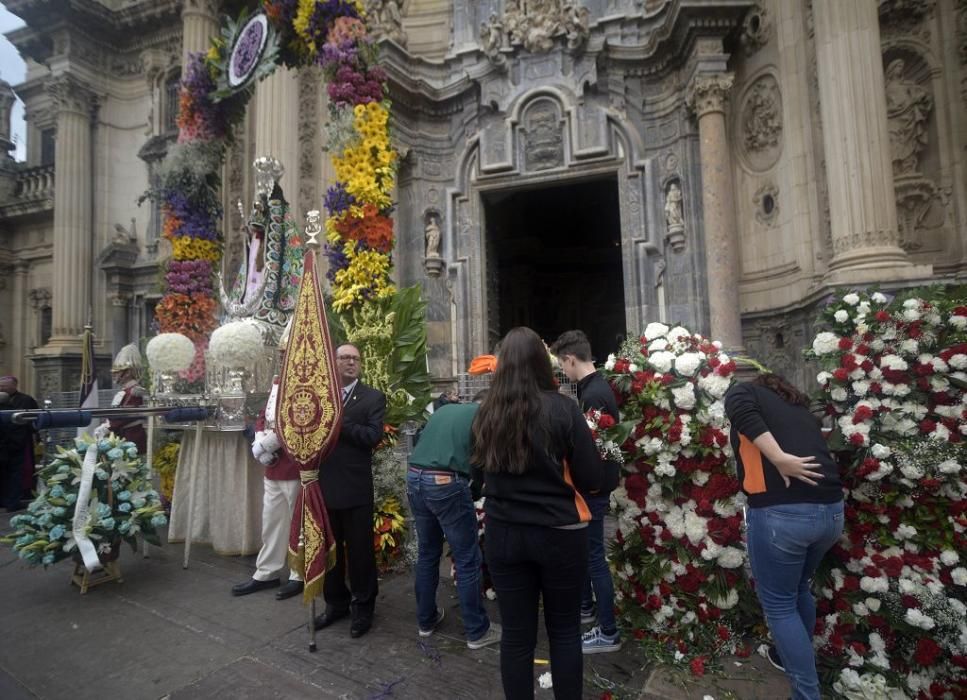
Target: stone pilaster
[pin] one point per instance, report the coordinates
(199, 20)
(75, 104)
(862, 208)
(21, 313)
(707, 97)
(277, 125)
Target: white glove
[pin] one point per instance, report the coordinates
(271, 442)
(265, 445)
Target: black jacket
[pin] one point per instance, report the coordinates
(563, 464)
(754, 410)
(594, 393)
(346, 477)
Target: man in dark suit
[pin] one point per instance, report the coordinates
(346, 478)
(16, 447)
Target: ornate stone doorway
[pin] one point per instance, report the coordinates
(554, 261)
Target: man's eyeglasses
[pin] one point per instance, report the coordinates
(349, 358)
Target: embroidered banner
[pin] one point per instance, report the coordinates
(309, 405)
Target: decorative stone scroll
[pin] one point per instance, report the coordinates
(386, 20)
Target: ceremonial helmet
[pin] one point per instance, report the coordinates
(286, 332)
(128, 358)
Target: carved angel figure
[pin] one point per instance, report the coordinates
(432, 238)
(673, 207)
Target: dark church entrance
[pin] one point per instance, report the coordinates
(554, 262)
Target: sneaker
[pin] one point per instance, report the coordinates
(589, 615)
(594, 641)
(773, 655)
(436, 623)
(491, 636)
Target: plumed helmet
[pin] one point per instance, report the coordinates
(286, 332)
(128, 357)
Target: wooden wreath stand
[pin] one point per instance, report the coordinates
(111, 571)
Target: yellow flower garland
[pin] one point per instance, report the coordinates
(184, 248)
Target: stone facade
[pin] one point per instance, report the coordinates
(750, 183)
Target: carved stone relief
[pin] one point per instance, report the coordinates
(543, 138)
(760, 122)
(709, 93)
(70, 94)
(39, 298)
(534, 25)
(902, 12)
(908, 108)
(385, 20)
(766, 203)
(756, 29)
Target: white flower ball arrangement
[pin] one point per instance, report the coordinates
(236, 344)
(170, 352)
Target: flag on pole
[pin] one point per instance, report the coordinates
(88, 398)
(308, 420)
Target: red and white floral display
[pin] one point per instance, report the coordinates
(892, 619)
(679, 556)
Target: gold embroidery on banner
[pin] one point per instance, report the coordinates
(308, 411)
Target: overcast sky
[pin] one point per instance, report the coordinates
(12, 70)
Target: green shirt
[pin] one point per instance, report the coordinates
(445, 441)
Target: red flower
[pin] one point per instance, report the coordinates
(845, 343)
(927, 652)
(723, 633)
(698, 666)
(856, 439)
(882, 316)
(840, 374)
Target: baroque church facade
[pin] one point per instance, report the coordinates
(595, 164)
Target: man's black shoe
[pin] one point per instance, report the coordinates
(360, 627)
(254, 586)
(289, 589)
(328, 617)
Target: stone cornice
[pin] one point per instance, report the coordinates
(71, 94)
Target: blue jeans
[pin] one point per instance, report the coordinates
(786, 544)
(599, 575)
(442, 507)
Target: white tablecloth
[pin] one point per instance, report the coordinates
(228, 494)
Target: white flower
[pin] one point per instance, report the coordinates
(878, 298)
(881, 451)
(170, 352)
(688, 362)
(696, 527)
(910, 347)
(823, 378)
(916, 618)
(838, 394)
(661, 360)
(609, 365)
(893, 362)
(951, 466)
(911, 314)
(545, 681)
(825, 343)
(658, 344)
(958, 361)
(841, 316)
(873, 604)
(860, 388)
(949, 557)
(959, 576)
(863, 308)
(904, 531)
(715, 385)
(958, 322)
(655, 330)
(678, 334)
(852, 299)
(731, 558)
(632, 368)
(730, 600)
(684, 397)
(875, 584)
(236, 344)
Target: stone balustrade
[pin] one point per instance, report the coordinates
(35, 184)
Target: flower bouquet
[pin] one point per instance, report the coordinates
(122, 504)
(237, 344)
(170, 352)
(678, 555)
(892, 618)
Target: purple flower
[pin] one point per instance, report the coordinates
(338, 199)
(246, 50)
(337, 261)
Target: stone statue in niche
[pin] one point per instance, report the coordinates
(433, 261)
(432, 232)
(674, 218)
(908, 107)
(492, 37)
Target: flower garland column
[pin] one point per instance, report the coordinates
(199, 20)
(707, 96)
(862, 203)
(72, 208)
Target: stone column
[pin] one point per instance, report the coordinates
(859, 169)
(199, 19)
(21, 313)
(277, 125)
(707, 96)
(73, 269)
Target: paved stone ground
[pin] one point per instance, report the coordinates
(167, 632)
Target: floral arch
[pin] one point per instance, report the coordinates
(385, 322)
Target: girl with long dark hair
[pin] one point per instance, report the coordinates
(537, 455)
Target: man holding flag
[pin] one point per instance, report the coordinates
(89, 388)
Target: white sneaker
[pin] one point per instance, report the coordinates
(491, 636)
(436, 623)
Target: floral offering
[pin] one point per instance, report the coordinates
(170, 352)
(893, 613)
(679, 555)
(122, 504)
